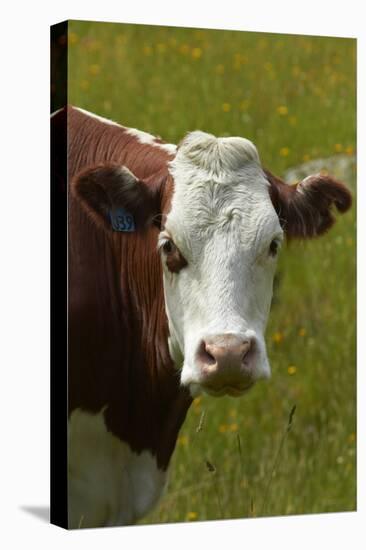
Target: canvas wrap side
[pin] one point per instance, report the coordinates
(59, 309)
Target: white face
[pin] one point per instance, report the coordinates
(219, 248)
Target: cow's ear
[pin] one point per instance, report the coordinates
(306, 209)
(104, 190)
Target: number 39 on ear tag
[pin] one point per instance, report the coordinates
(122, 220)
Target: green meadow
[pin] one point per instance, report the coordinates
(294, 96)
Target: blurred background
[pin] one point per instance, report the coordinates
(295, 97)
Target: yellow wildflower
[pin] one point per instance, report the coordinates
(233, 427)
(161, 47)
(73, 38)
(94, 45)
(94, 69)
(338, 147)
(317, 91)
(278, 337)
(284, 151)
(282, 110)
(349, 150)
(226, 107)
(239, 60)
(184, 49)
(196, 53)
(222, 428)
(291, 370)
(302, 332)
(192, 516)
(183, 440)
(147, 50)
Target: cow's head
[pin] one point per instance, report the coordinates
(221, 233)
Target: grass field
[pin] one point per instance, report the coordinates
(294, 96)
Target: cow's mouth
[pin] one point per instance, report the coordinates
(233, 391)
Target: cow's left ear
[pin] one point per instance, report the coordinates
(305, 209)
(102, 190)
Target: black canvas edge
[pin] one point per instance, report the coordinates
(59, 276)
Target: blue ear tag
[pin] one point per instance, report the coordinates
(121, 220)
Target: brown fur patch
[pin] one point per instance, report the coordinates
(118, 331)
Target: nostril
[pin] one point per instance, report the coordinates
(226, 354)
(204, 355)
(244, 349)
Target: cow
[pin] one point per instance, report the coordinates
(171, 256)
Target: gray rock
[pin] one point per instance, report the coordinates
(342, 167)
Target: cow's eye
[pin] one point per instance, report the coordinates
(168, 247)
(173, 259)
(273, 248)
